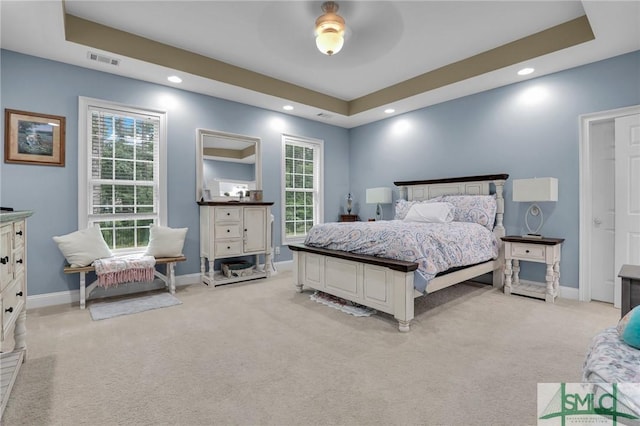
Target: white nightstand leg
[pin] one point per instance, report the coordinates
(550, 278)
(507, 276)
(516, 271)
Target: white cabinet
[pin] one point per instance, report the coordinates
(13, 299)
(229, 230)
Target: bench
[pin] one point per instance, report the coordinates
(168, 277)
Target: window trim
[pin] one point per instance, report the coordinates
(84, 119)
(318, 211)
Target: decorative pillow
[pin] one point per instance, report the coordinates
(431, 213)
(629, 328)
(166, 242)
(82, 247)
(480, 209)
(402, 207)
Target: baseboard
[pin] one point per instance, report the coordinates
(568, 292)
(73, 296)
(285, 265)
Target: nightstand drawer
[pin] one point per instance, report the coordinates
(527, 251)
(227, 214)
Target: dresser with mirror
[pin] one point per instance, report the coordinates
(235, 227)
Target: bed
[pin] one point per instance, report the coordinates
(389, 285)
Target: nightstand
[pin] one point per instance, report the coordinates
(349, 218)
(540, 250)
(630, 275)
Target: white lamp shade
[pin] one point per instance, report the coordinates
(379, 195)
(536, 189)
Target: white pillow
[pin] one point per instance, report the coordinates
(82, 247)
(430, 213)
(166, 242)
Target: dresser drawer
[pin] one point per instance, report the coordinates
(227, 214)
(18, 233)
(528, 251)
(228, 248)
(18, 260)
(228, 231)
(13, 298)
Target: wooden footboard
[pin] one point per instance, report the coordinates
(382, 284)
(379, 283)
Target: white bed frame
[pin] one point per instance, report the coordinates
(386, 284)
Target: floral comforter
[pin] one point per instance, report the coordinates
(610, 360)
(436, 247)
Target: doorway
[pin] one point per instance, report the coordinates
(601, 247)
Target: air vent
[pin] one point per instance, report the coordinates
(103, 59)
(324, 115)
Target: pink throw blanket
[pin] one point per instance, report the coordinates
(116, 270)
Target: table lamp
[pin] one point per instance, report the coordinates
(533, 191)
(379, 196)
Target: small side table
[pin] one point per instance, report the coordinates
(540, 250)
(630, 275)
(349, 218)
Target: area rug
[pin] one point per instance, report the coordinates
(104, 310)
(346, 306)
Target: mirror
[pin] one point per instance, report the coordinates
(226, 164)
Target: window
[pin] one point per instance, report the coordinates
(302, 183)
(121, 162)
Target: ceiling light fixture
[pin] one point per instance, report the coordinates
(525, 71)
(389, 111)
(330, 29)
(174, 79)
(287, 107)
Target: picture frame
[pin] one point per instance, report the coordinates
(34, 138)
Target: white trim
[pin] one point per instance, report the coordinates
(318, 146)
(586, 215)
(84, 103)
(73, 296)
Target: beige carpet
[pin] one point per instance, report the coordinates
(259, 353)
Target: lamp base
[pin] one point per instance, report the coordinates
(533, 236)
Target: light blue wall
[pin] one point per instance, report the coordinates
(496, 131)
(529, 129)
(39, 85)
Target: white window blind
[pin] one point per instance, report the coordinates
(123, 174)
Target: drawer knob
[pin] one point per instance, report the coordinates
(19, 294)
(19, 261)
(228, 214)
(4, 260)
(19, 233)
(228, 248)
(228, 230)
(10, 309)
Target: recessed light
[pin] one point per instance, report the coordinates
(174, 79)
(389, 111)
(287, 107)
(525, 71)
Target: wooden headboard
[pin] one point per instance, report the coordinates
(419, 190)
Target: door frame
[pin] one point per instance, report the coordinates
(586, 214)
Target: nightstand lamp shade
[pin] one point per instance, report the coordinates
(379, 196)
(535, 190)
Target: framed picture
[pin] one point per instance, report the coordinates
(32, 138)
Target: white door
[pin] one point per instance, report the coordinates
(627, 195)
(601, 266)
